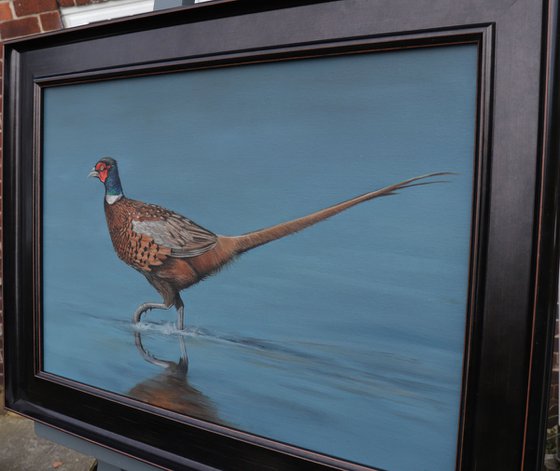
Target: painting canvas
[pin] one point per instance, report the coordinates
(340, 332)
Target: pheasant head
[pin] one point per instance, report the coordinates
(108, 173)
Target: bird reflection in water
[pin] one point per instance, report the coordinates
(171, 389)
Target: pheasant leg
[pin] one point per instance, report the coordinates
(146, 307)
(181, 318)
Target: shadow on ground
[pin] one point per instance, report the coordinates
(22, 450)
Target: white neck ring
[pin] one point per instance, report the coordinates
(110, 199)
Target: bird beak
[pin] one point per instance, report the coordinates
(93, 173)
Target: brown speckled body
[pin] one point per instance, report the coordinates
(137, 250)
(176, 274)
(167, 273)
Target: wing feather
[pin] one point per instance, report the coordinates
(182, 236)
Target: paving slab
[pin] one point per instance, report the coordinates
(22, 450)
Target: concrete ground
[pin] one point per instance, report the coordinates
(22, 450)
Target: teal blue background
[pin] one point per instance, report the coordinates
(347, 338)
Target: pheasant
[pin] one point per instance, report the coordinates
(174, 253)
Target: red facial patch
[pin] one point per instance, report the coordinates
(103, 170)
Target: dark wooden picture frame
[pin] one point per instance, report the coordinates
(514, 252)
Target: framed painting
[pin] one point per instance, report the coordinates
(317, 234)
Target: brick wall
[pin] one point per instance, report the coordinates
(20, 18)
(553, 405)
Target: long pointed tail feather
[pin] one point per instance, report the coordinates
(249, 241)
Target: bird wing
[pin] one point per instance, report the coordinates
(181, 235)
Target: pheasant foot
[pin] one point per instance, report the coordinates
(146, 307)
